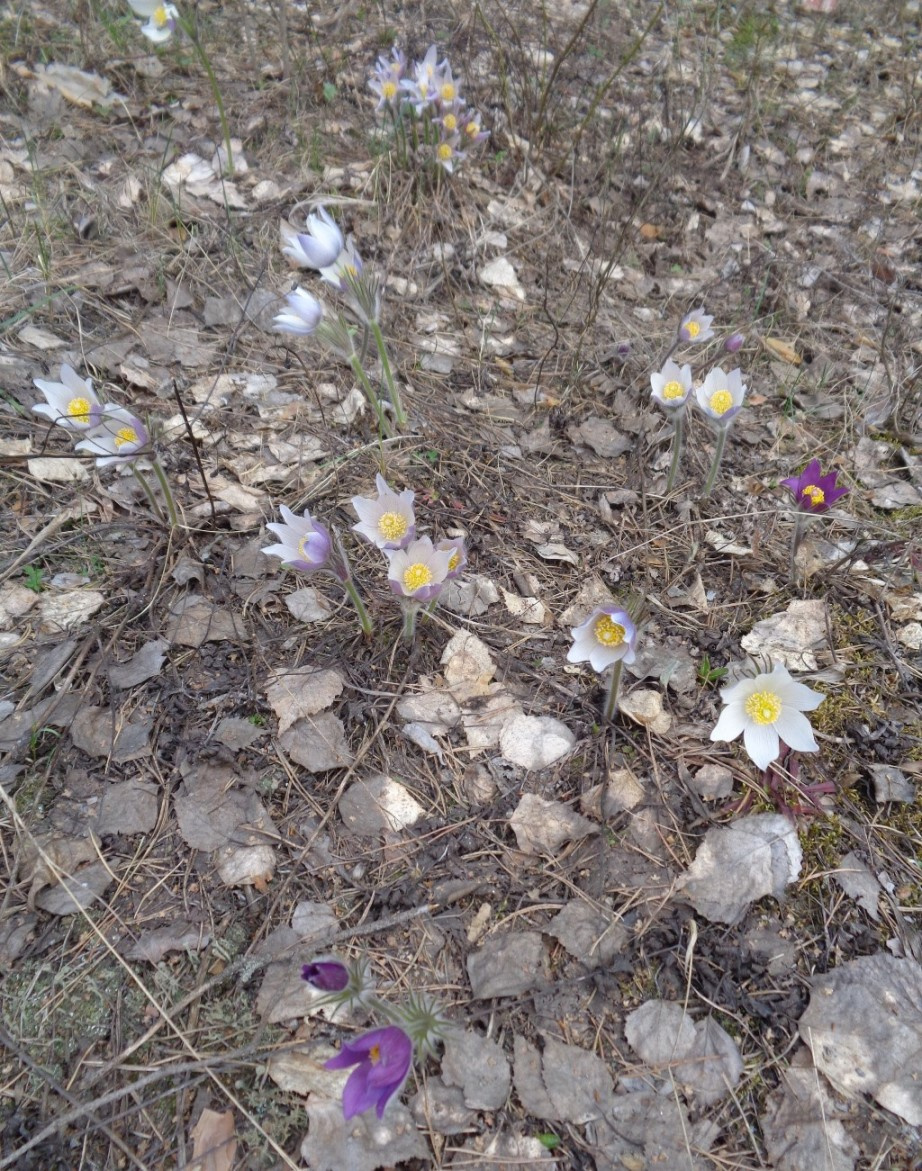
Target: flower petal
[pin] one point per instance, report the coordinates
(731, 723)
(794, 729)
(762, 744)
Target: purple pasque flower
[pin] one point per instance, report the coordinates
(382, 1059)
(318, 246)
(385, 81)
(721, 396)
(72, 402)
(472, 132)
(304, 544)
(447, 95)
(457, 561)
(671, 386)
(326, 975)
(303, 315)
(607, 636)
(696, 327)
(388, 522)
(812, 491)
(120, 437)
(419, 571)
(734, 343)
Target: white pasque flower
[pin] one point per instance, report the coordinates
(768, 709)
(120, 437)
(457, 562)
(419, 571)
(671, 386)
(303, 315)
(303, 543)
(317, 247)
(388, 522)
(72, 402)
(161, 19)
(607, 636)
(696, 327)
(721, 395)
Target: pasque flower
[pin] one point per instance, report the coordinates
(671, 386)
(318, 246)
(326, 975)
(120, 437)
(71, 403)
(382, 1058)
(304, 544)
(389, 521)
(607, 636)
(303, 315)
(812, 491)
(419, 571)
(696, 327)
(457, 561)
(768, 710)
(161, 19)
(721, 395)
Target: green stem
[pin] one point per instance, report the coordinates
(410, 610)
(393, 393)
(718, 456)
(352, 590)
(799, 526)
(149, 493)
(167, 494)
(383, 424)
(611, 702)
(678, 442)
(206, 65)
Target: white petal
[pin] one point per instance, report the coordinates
(761, 742)
(794, 729)
(800, 697)
(284, 551)
(732, 721)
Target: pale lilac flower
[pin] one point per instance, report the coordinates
(120, 437)
(162, 19)
(471, 130)
(346, 264)
(303, 315)
(721, 396)
(388, 521)
(446, 87)
(696, 327)
(457, 562)
(304, 544)
(419, 571)
(448, 154)
(383, 1058)
(317, 247)
(607, 636)
(734, 343)
(813, 491)
(671, 386)
(385, 81)
(422, 88)
(72, 402)
(768, 710)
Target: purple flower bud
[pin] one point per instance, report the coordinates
(734, 342)
(382, 1058)
(812, 491)
(326, 975)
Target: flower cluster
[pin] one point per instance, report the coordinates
(423, 100)
(113, 434)
(417, 568)
(382, 1057)
(321, 246)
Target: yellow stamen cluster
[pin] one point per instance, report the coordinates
(389, 90)
(416, 576)
(450, 122)
(79, 408)
(608, 632)
(126, 435)
(692, 329)
(302, 546)
(444, 151)
(374, 1054)
(763, 707)
(393, 526)
(472, 129)
(454, 561)
(673, 390)
(815, 495)
(448, 92)
(720, 402)
(160, 17)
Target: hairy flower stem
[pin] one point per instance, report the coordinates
(611, 702)
(672, 349)
(167, 494)
(718, 457)
(800, 524)
(352, 590)
(393, 393)
(678, 443)
(203, 57)
(384, 426)
(149, 493)
(410, 610)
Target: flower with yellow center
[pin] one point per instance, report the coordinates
(695, 327)
(721, 396)
(457, 556)
(450, 122)
(812, 490)
(303, 543)
(816, 495)
(119, 438)
(388, 521)
(162, 19)
(419, 571)
(71, 403)
(671, 386)
(448, 92)
(768, 711)
(607, 636)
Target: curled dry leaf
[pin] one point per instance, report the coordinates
(302, 692)
(542, 827)
(214, 1142)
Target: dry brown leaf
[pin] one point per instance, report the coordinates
(782, 350)
(214, 1142)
